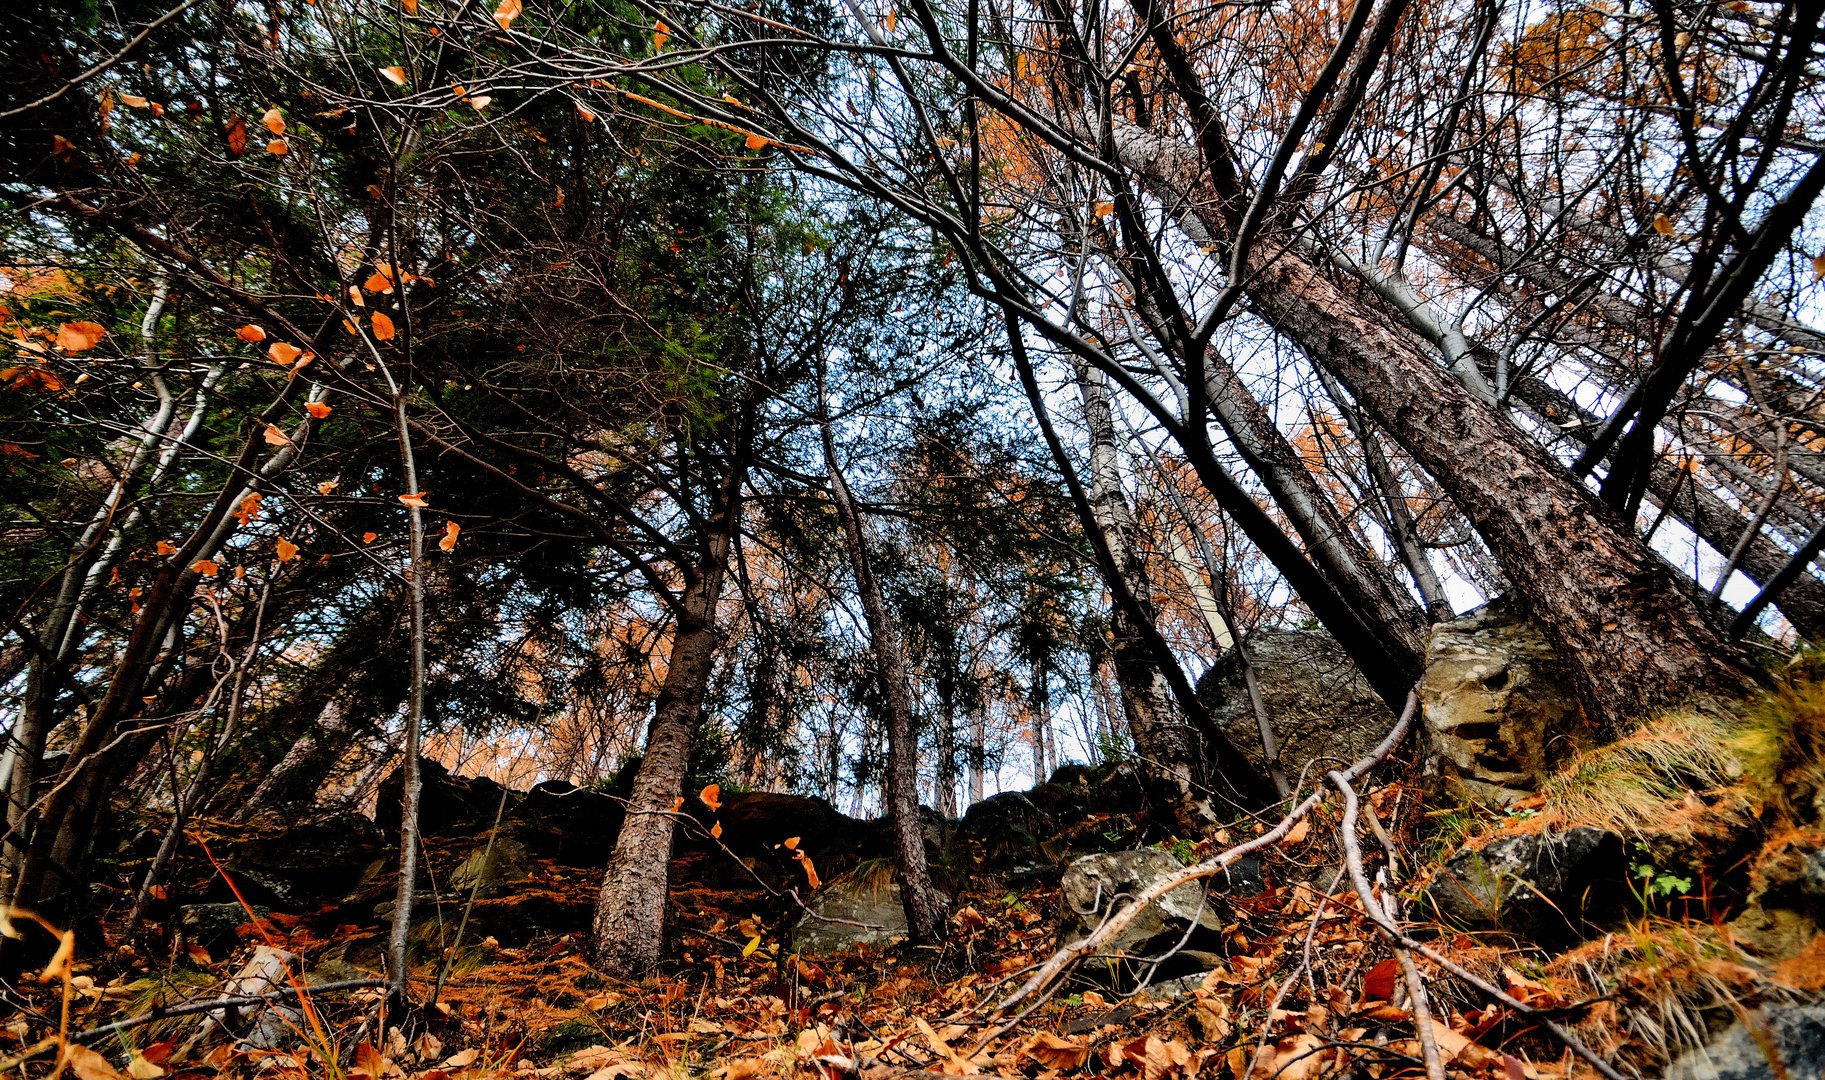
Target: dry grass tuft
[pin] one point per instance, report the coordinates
(1662, 988)
(1627, 785)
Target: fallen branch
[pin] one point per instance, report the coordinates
(1416, 987)
(190, 1008)
(1399, 938)
(1060, 961)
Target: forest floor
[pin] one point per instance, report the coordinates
(1303, 985)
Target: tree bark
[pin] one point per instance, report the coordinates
(924, 914)
(630, 917)
(1163, 743)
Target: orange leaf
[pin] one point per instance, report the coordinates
(286, 550)
(275, 437)
(317, 409)
(711, 796)
(679, 805)
(415, 500)
(277, 148)
(273, 121)
(758, 141)
(1380, 982)
(383, 327)
(810, 871)
(395, 74)
(250, 333)
(716, 831)
(791, 843)
(410, 7)
(237, 136)
(584, 113)
(326, 488)
(356, 297)
(381, 281)
(448, 543)
(369, 537)
(893, 20)
(1663, 225)
(134, 100)
(165, 547)
(661, 34)
(79, 336)
(205, 567)
(506, 13)
(282, 353)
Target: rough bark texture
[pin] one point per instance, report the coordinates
(630, 922)
(1633, 639)
(924, 911)
(1163, 743)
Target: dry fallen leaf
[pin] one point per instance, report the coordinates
(89, 1065)
(1058, 1051)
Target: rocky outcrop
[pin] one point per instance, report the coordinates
(857, 909)
(1786, 1042)
(308, 864)
(1492, 690)
(1321, 707)
(1182, 930)
(1548, 888)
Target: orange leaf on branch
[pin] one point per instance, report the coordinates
(285, 550)
(79, 336)
(283, 353)
(448, 543)
(506, 13)
(418, 500)
(383, 327)
(711, 796)
(317, 409)
(250, 333)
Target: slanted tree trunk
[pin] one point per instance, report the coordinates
(924, 914)
(1162, 742)
(630, 918)
(1632, 639)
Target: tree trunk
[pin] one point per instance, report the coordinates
(1162, 742)
(630, 918)
(1631, 637)
(924, 915)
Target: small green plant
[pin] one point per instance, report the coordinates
(1181, 849)
(1652, 883)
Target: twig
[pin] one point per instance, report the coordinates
(1416, 987)
(190, 1008)
(1055, 966)
(1396, 935)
